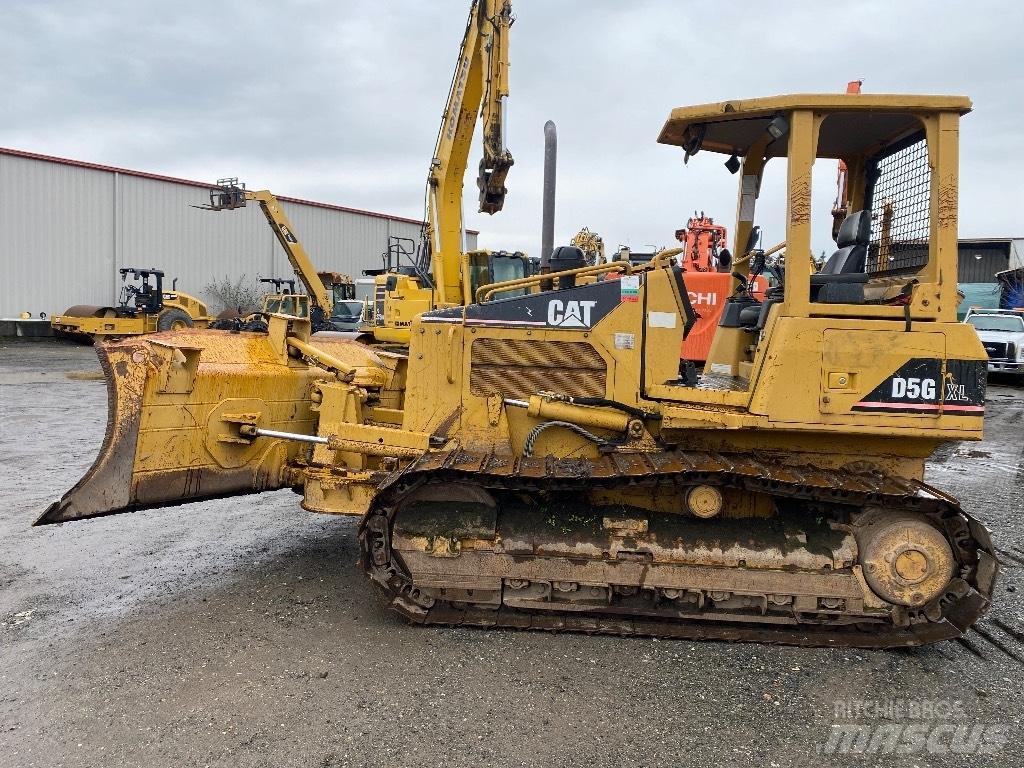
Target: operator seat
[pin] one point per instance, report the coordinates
(842, 278)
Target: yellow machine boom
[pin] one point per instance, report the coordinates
(479, 86)
(229, 195)
(539, 460)
(479, 91)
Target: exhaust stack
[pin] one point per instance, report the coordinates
(547, 237)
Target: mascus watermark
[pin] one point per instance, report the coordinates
(910, 726)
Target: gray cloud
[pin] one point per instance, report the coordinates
(340, 101)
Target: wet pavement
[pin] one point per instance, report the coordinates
(239, 632)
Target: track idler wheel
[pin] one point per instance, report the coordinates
(906, 560)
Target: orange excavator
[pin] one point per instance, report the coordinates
(708, 265)
(708, 277)
(841, 207)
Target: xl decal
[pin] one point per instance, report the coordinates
(924, 386)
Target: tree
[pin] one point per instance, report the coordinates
(241, 295)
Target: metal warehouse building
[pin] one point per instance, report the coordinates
(68, 226)
(980, 259)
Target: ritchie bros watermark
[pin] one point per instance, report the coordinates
(910, 726)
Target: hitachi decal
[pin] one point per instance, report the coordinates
(709, 299)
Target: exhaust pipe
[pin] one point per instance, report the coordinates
(547, 237)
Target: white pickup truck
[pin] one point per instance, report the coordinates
(1002, 333)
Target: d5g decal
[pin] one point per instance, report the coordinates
(921, 386)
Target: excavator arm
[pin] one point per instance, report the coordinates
(496, 160)
(479, 87)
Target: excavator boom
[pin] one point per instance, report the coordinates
(479, 89)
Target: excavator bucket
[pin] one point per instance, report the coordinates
(175, 404)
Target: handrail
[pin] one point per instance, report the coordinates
(484, 292)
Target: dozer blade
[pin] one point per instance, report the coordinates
(175, 404)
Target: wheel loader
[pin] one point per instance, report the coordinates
(537, 461)
(144, 307)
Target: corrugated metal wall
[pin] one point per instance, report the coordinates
(67, 229)
(1017, 253)
(57, 225)
(979, 261)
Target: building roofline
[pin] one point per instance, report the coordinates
(988, 239)
(202, 184)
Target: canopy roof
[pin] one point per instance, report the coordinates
(870, 120)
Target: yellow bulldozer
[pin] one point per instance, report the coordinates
(144, 307)
(537, 460)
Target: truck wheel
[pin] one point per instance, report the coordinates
(173, 320)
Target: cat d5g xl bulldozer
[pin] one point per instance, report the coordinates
(536, 460)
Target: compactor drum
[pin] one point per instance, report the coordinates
(537, 460)
(144, 307)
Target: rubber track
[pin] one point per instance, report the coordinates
(853, 487)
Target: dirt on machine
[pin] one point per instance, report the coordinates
(144, 307)
(536, 459)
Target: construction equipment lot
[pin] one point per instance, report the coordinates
(239, 632)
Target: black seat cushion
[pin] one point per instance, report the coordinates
(855, 230)
(820, 278)
(842, 277)
(845, 261)
(841, 292)
(852, 240)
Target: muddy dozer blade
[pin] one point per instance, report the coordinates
(175, 402)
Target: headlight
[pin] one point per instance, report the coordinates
(1020, 352)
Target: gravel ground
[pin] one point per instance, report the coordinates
(239, 632)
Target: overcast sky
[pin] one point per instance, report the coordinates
(340, 100)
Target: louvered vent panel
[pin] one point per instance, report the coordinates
(518, 368)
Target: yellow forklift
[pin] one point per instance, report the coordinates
(328, 294)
